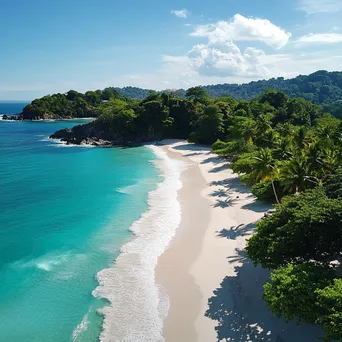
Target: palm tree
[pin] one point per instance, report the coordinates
(248, 131)
(314, 155)
(331, 160)
(265, 168)
(283, 149)
(286, 130)
(325, 135)
(296, 174)
(301, 138)
(263, 123)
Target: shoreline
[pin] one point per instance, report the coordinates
(42, 120)
(172, 267)
(137, 305)
(214, 289)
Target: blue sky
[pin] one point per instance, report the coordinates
(54, 46)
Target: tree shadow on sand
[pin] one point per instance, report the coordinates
(228, 202)
(192, 147)
(258, 207)
(220, 193)
(214, 160)
(193, 154)
(220, 168)
(234, 232)
(243, 316)
(232, 185)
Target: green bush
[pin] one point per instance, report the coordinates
(263, 191)
(330, 303)
(291, 291)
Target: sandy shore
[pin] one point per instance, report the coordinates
(214, 290)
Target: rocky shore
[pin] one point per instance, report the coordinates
(96, 135)
(12, 117)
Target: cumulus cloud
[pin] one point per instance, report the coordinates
(181, 72)
(241, 28)
(183, 13)
(225, 59)
(320, 6)
(220, 56)
(320, 38)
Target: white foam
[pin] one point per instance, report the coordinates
(46, 138)
(131, 189)
(138, 306)
(2, 119)
(60, 143)
(128, 190)
(46, 262)
(81, 327)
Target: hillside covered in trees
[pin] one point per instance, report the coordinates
(322, 87)
(69, 105)
(290, 152)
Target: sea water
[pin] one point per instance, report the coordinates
(66, 213)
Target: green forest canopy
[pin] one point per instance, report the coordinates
(321, 87)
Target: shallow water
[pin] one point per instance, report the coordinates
(64, 215)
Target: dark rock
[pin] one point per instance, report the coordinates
(12, 117)
(97, 135)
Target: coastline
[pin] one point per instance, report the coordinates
(214, 289)
(172, 270)
(43, 120)
(137, 305)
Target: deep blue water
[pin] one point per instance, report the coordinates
(64, 214)
(12, 107)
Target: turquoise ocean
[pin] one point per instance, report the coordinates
(65, 213)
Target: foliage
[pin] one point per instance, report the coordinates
(330, 303)
(291, 291)
(232, 148)
(305, 227)
(264, 190)
(333, 185)
(118, 118)
(69, 105)
(198, 94)
(319, 87)
(209, 125)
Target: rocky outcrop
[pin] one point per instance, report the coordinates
(12, 117)
(93, 134)
(82, 134)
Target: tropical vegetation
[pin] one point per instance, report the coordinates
(321, 87)
(288, 149)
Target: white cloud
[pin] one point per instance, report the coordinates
(320, 6)
(226, 59)
(221, 57)
(185, 71)
(320, 38)
(183, 13)
(241, 28)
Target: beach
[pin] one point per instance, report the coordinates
(214, 289)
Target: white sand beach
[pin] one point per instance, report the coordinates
(214, 289)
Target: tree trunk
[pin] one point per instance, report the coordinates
(275, 193)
